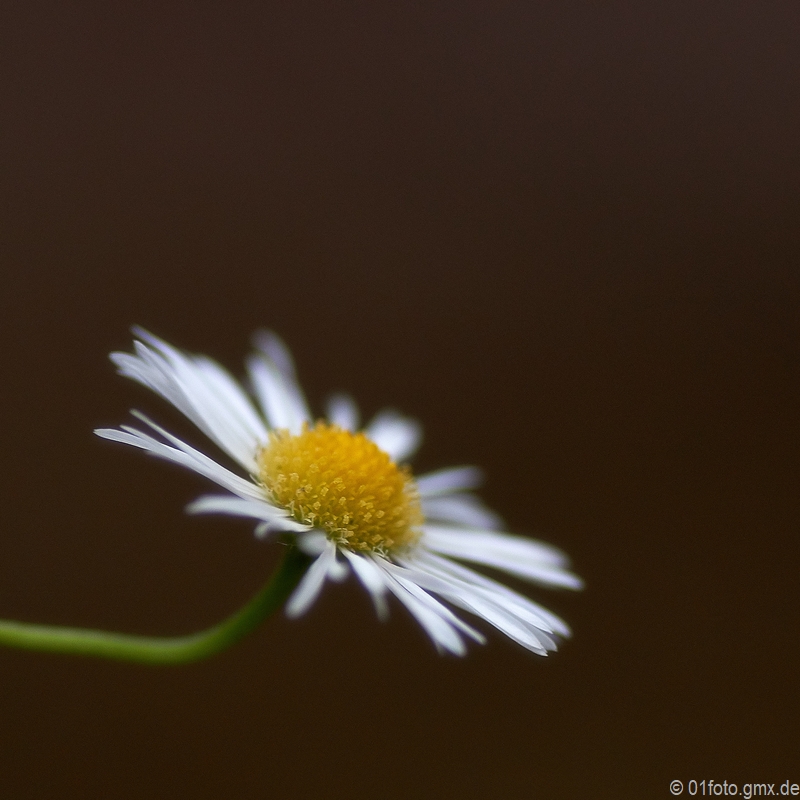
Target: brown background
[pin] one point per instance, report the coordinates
(563, 235)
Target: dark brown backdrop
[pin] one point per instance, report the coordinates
(564, 236)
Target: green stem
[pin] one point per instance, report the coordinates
(156, 649)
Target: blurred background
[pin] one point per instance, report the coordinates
(562, 235)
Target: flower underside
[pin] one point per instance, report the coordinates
(343, 484)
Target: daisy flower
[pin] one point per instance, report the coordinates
(346, 495)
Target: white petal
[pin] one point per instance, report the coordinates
(277, 385)
(337, 570)
(281, 404)
(520, 605)
(233, 400)
(443, 635)
(463, 509)
(312, 543)
(274, 348)
(438, 621)
(525, 558)
(185, 456)
(394, 434)
(525, 628)
(343, 411)
(372, 578)
(276, 519)
(445, 481)
(200, 389)
(311, 584)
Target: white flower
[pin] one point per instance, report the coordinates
(344, 497)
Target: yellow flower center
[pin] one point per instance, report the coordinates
(344, 485)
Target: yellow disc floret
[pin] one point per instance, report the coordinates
(343, 484)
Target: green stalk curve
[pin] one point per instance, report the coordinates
(167, 650)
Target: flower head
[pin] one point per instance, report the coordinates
(347, 495)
